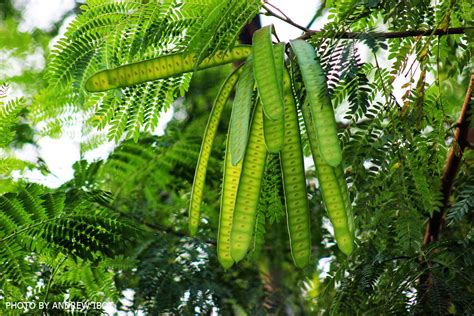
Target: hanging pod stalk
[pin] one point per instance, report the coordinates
(331, 183)
(248, 192)
(239, 122)
(160, 68)
(294, 182)
(322, 112)
(230, 184)
(206, 147)
(274, 130)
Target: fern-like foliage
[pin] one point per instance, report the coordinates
(9, 117)
(464, 205)
(36, 223)
(108, 33)
(13, 134)
(105, 35)
(217, 23)
(270, 209)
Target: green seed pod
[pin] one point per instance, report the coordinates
(159, 68)
(243, 223)
(239, 122)
(266, 76)
(320, 104)
(205, 153)
(230, 184)
(294, 182)
(331, 183)
(274, 130)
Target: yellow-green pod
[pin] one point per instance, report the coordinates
(332, 191)
(294, 182)
(144, 73)
(159, 68)
(339, 173)
(135, 72)
(266, 76)
(322, 112)
(274, 130)
(239, 122)
(206, 147)
(245, 210)
(230, 184)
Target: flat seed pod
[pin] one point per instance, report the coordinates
(320, 104)
(239, 122)
(339, 173)
(266, 76)
(206, 147)
(159, 68)
(331, 184)
(230, 184)
(245, 211)
(294, 182)
(274, 130)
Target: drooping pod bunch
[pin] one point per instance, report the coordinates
(274, 129)
(264, 120)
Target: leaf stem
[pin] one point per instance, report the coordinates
(13, 234)
(50, 281)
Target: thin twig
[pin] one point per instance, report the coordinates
(279, 11)
(156, 226)
(315, 16)
(286, 19)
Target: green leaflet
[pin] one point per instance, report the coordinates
(274, 130)
(331, 184)
(205, 153)
(266, 76)
(239, 122)
(160, 68)
(249, 188)
(294, 182)
(230, 184)
(320, 104)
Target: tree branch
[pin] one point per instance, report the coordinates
(350, 35)
(435, 223)
(402, 34)
(460, 142)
